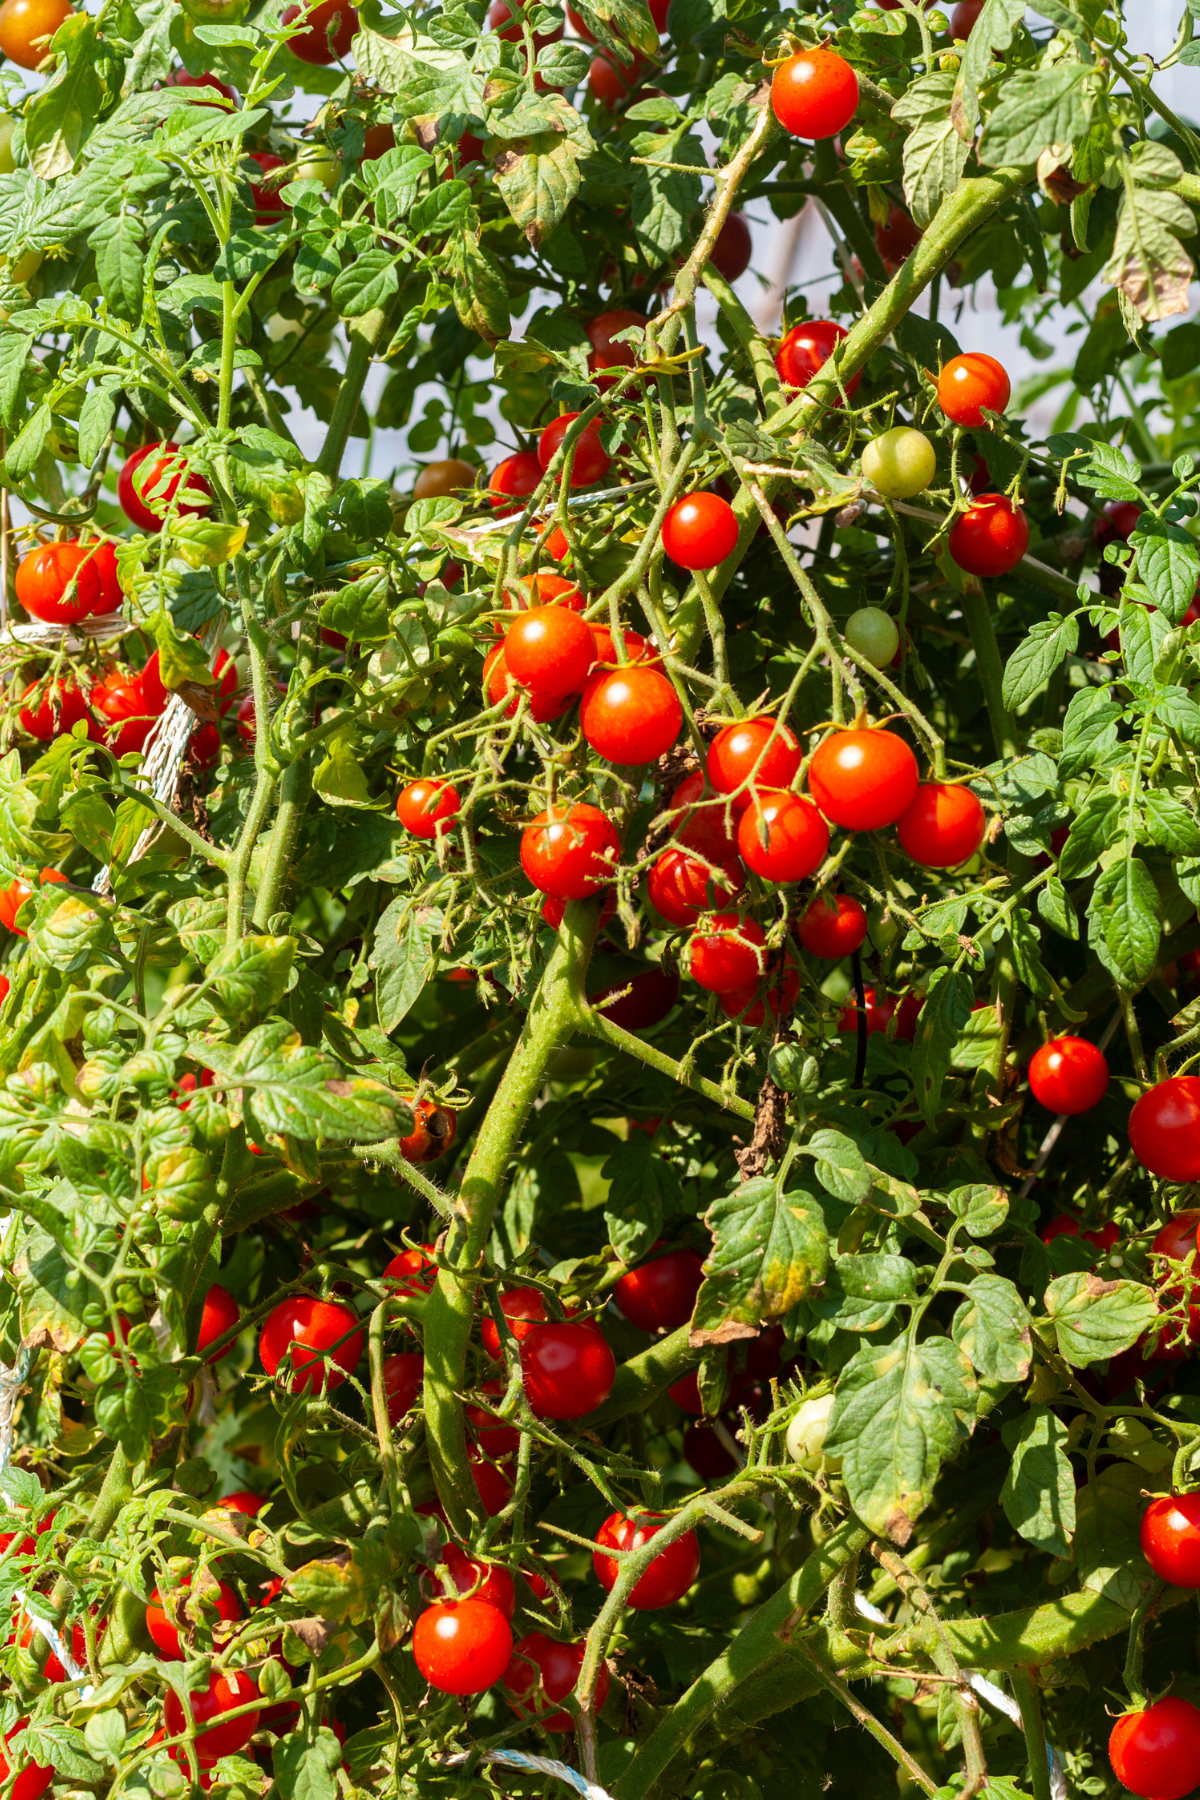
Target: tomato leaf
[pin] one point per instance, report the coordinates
(769, 1251)
(1038, 1495)
(1094, 1319)
(1046, 644)
(993, 1328)
(946, 1010)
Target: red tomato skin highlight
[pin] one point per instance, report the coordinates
(568, 852)
(1170, 1534)
(427, 808)
(668, 1577)
(1068, 1075)
(568, 1369)
(592, 461)
(944, 826)
(727, 953)
(659, 1295)
(700, 531)
(682, 887)
(990, 538)
(814, 94)
(761, 748)
(462, 1646)
(782, 837)
(1164, 1129)
(970, 382)
(806, 349)
(549, 650)
(547, 1670)
(1156, 1753)
(863, 779)
(832, 926)
(315, 1325)
(523, 1307)
(630, 715)
(220, 1314)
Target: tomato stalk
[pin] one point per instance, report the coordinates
(841, 1692)
(1025, 1692)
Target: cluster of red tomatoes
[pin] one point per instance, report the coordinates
(1155, 1749)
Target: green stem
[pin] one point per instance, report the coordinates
(642, 1379)
(990, 667)
(379, 1407)
(365, 338)
(1025, 1691)
(620, 1039)
(834, 1685)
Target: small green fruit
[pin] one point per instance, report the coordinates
(807, 1432)
(899, 463)
(874, 634)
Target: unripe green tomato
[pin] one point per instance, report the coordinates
(27, 266)
(318, 163)
(806, 1435)
(874, 634)
(8, 161)
(882, 929)
(899, 463)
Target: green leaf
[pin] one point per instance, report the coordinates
(1091, 833)
(902, 1410)
(992, 30)
(1038, 1495)
(1096, 1319)
(839, 1166)
(480, 288)
(1168, 563)
(1170, 825)
(1149, 264)
(300, 1092)
(946, 1010)
(645, 1193)
(14, 355)
(935, 154)
(359, 611)
(1108, 1552)
(1175, 709)
(1046, 644)
(1038, 108)
(402, 957)
(539, 176)
(62, 115)
(30, 442)
(1055, 905)
(1111, 474)
(663, 200)
(770, 1250)
(981, 1207)
(365, 283)
(180, 657)
(1126, 905)
(1089, 731)
(121, 262)
(251, 975)
(306, 1768)
(339, 777)
(95, 422)
(993, 1328)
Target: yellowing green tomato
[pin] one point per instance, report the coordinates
(317, 164)
(27, 266)
(807, 1432)
(874, 634)
(899, 463)
(8, 161)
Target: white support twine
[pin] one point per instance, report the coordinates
(165, 750)
(46, 636)
(535, 1765)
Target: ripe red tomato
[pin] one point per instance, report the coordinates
(308, 1330)
(467, 1578)
(703, 821)
(402, 1378)
(782, 837)
(814, 94)
(1068, 1075)
(1156, 1753)
(638, 1004)
(1064, 1225)
(592, 461)
(863, 779)
(969, 383)
(497, 682)
(543, 1671)
(329, 22)
(181, 78)
(610, 81)
(991, 537)
(730, 255)
(34, 1778)
(1164, 1129)
(462, 1646)
(682, 886)
(23, 26)
(5, 988)
(549, 650)
(758, 749)
(427, 808)
(727, 953)
(269, 206)
(553, 910)
(569, 851)
(102, 556)
(150, 479)
(494, 1436)
(806, 349)
(659, 1295)
(523, 1307)
(605, 354)
(411, 1272)
(1171, 1539)
(434, 1131)
(556, 544)
(897, 238)
(944, 825)
(700, 531)
(780, 988)
(220, 1314)
(668, 1577)
(832, 926)
(1116, 523)
(544, 589)
(13, 898)
(962, 19)
(630, 714)
(1178, 1237)
(44, 576)
(514, 479)
(59, 710)
(568, 1369)
(119, 699)
(225, 1693)
(880, 1013)
(244, 1502)
(162, 1625)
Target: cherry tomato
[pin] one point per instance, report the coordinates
(757, 750)
(970, 383)
(204, 746)
(631, 714)
(514, 479)
(52, 1668)
(668, 1577)
(269, 205)
(427, 808)
(501, 20)
(814, 94)
(411, 1273)
(5, 988)
(780, 988)
(899, 463)
(466, 1578)
(150, 479)
(832, 926)
(943, 827)
(437, 480)
(1156, 1753)
(730, 255)
(23, 26)
(498, 681)
(682, 886)
(220, 1314)
(897, 239)
(247, 720)
(13, 898)
(700, 531)
(119, 699)
(34, 1778)
(553, 910)
(308, 1331)
(44, 576)
(225, 1693)
(462, 1646)
(1066, 1226)
(1116, 523)
(1178, 1238)
(605, 354)
(880, 1013)
(523, 1307)
(1068, 1075)
(874, 634)
(494, 1435)
(328, 31)
(863, 779)
(101, 555)
(569, 851)
(962, 19)
(991, 537)
(704, 1452)
(640, 1003)
(727, 953)
(592, 461)
(163, 1626)
(59, 710)
(703, 821)
(806, 349)
(244, 1502)
(568, 1369)
(782, 837)
(556, 544)
(543, 1671)
(610, 81)
(659, 1295)
(1164, 1129)
(434, 1130)
(549, 650)
(181, 78)
(544, 589)
(1171, 1539)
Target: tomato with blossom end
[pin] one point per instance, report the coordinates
(467, 1578)
(427, 808)
(1170, 1535)
(660, 1295)
(610, 80)
(727, 952)
(568, 1369)
(1116, 523)
(163, 1626)
(328, 31)
(668, 1577)
(782, 837)
(970, 383)
(963, 19)
(1164, 1129)
(630, 715)
(640, 1003)
(991, 537)
(45, 575)
(494, 1435)
(569, 851)
(523, 1307)
(219, 1315)
(514, 479)
(214, 1738)
(682, 886)
(731, 253)
(880, 1011)
(549, 650)
(863, 779)
(592, 461)
(806, 349)
(542, 1673)
(899, 463)
(411, 1273)
(943, 827)
(759, 750)
(462, 1646)
(498, 682)
(700, 531)
(832, 926)
(1155, 1752)
(24, 23)
(33, 1778)
(897, 238)
(13, 898)
(150, 481)
(1068, 1075)
(606, 351)
(322, 1340)
(244, 1502)
(434, 1131)
(814, 94)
